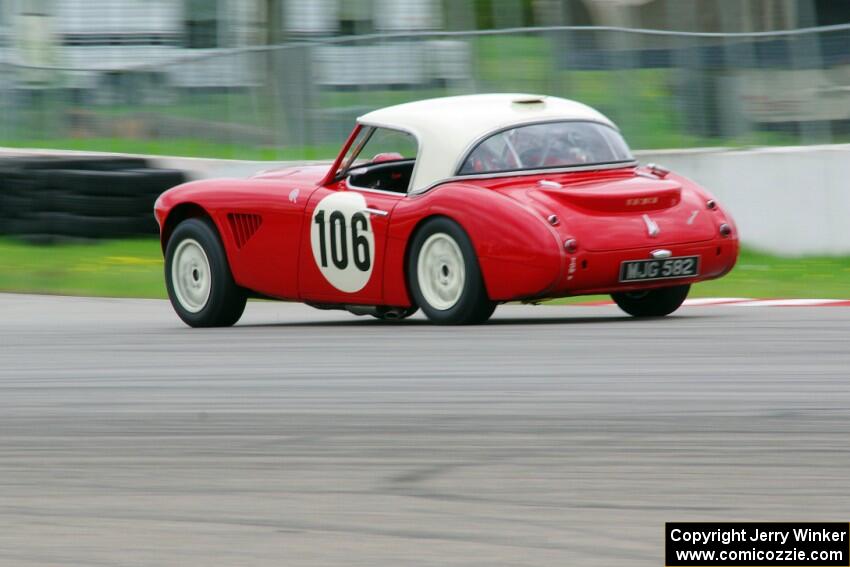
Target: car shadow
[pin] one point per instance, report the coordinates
(495, 322)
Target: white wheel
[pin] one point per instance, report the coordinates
(441, 271)
(190, 275)
(444, 277)
(198, 278)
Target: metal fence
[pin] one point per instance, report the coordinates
(298, 100)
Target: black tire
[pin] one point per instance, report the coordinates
(652, 302)
(15, 205)
(226, 301)
(103, 206)
(22, 203)
(144, 225)
(159, 180)
(128, 183)
(24, 182)
(101, 163)
(83, 226)
(17, 226)
(472, 305)
(49, 239)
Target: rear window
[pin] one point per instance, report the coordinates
(551, 144)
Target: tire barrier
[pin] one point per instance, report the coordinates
(58, 199)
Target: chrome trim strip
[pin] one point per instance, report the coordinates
(549, 184)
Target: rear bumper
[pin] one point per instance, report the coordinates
(590, 273)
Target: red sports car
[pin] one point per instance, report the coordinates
(452, 206)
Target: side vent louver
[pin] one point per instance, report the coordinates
(243, 226)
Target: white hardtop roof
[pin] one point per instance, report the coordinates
(446, 128)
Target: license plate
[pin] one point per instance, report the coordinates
(667, 269)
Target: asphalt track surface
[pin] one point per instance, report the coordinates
(553, 436)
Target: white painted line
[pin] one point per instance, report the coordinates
(714, 300)
(787, 302)
(744, 302)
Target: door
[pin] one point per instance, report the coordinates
(342, 251)
(345, 239)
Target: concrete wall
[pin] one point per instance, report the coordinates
(790, 201)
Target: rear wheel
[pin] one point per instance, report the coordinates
(652, 302)
(200, 285)
(444, 276)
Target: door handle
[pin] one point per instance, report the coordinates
(376, 212)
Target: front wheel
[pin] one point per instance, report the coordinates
(444, 276)
(652, 302)
(200, 285)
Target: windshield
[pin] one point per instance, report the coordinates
(377, 145)
(551, 144)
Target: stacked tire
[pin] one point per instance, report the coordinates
(45, 200)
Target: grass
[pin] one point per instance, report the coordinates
(133, 268)
(762, 275)
(125, 268)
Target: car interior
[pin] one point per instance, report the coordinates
(391, 176)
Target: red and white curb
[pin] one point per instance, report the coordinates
(748, 302)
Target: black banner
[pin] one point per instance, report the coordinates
(757, 544)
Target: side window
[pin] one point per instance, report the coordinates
(384, 162)
(388, 144)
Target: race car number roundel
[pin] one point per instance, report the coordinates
(342, 241)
